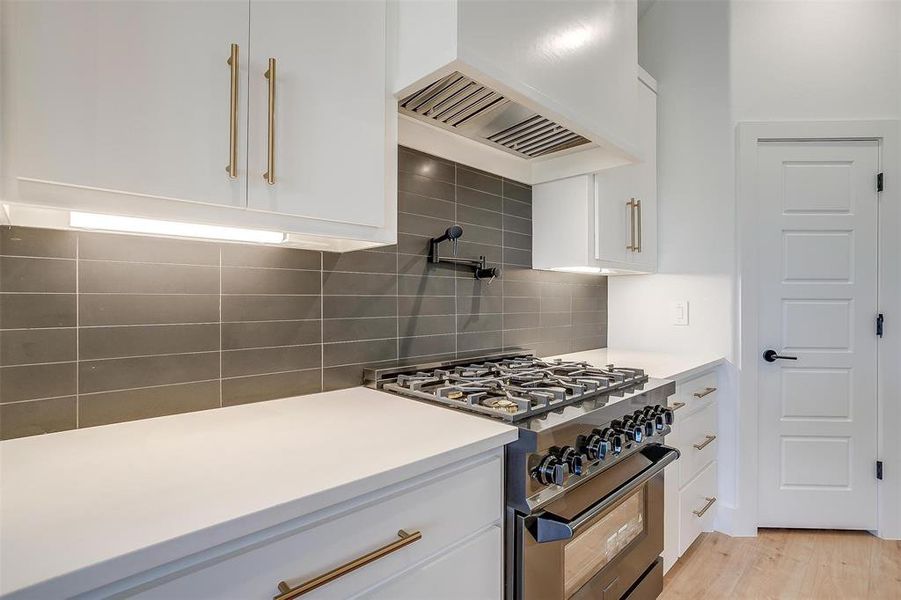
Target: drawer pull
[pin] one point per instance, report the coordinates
(705, 392)
(707, 440)
(678, 405)
(287, 592)
(710, 502)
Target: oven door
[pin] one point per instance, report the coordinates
(599, 539)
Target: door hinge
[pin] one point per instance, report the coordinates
(880, 181)
(880, 322)
(878, 469)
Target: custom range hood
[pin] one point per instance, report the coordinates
(533, 91)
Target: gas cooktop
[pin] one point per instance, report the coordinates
(511, 387)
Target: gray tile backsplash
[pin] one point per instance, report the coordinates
(101, 328)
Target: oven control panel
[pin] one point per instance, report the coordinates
(599, 447)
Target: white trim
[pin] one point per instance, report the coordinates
(743, 519)
(646, 78)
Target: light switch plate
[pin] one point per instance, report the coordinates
(680, 313)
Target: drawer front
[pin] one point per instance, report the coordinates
(443, 510)
(694, 394)
(471, 570)
(697, 442)
(699, 494)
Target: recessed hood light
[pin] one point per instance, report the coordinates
(82, 220)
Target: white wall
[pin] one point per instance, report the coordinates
(695, 189)
(815, 60)
(718, 63)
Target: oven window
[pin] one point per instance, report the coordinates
(600, 542)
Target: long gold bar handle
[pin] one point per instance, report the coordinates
(678, 405)
(269, 175)
(287, 592)
(631, 206)
(705, 392)
(710, 502)
(707, 440)
(638, 225)
(233, 64)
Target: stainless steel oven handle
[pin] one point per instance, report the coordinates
(547, 527)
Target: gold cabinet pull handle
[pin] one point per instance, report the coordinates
(233, 64)
(678, 405)
(406, 538)
(269, 175)
(638, 225)
(707, 440)
(705, 392)
(710, 502)
(631, 206)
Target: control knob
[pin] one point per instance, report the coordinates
(570, 457)
(593, 445)
(629, 429)
(646, 421)
(549, 471)
(614, 439)
(667, 415)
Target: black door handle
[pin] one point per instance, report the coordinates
(771, 356)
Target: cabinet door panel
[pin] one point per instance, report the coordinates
(471, 571)
(612, 190)
(124, 96)
(644, 178)
(330, 109)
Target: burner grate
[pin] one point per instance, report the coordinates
(513, 388)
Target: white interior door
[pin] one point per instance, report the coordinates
(817, 220)
(329, 127)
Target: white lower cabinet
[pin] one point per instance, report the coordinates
(458, 536)
(691, 482)
(696, 501)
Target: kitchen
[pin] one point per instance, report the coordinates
(344, 299)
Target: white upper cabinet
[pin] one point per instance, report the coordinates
(569, 67)
(604, 222)
(122, 97)
(329, 155)
(132, 109)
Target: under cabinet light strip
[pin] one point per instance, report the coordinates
(80, 220)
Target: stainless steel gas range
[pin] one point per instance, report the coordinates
(584, 481)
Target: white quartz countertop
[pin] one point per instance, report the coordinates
(86, 507)
(655, 364)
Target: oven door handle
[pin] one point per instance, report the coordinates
(548, 527)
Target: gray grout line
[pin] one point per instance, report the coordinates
(39, 400)
(149, 387)
(220, 326)
(321, 321)
(457, 302)
(77, 334)
(66, 258)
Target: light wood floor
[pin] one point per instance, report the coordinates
(788, 564)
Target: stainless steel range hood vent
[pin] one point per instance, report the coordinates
(464, 106)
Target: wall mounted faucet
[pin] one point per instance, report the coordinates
(479, 266)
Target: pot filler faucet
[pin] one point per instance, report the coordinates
(479, 266)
